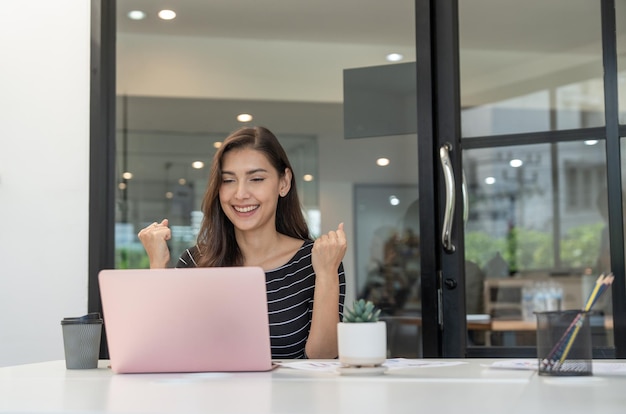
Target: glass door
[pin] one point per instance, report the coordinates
(525, 141)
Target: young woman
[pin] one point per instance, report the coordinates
(253, 217)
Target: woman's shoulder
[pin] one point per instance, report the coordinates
(308, 244)
(301, 255)
(303, 252)
(292, 246)
(305, 249)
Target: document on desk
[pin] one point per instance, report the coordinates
(599, 367)
(393, 363)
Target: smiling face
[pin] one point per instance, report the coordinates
(250, 189)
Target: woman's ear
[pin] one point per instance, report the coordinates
(285, 183)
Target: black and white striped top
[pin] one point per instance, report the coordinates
(289, 300)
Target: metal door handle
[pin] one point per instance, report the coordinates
(465, 200)
(448, 175)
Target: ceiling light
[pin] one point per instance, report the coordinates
(136, 15)
(121, 186)
(394, 57)
(217, 144)
(393, 200)
(167, 14)
(244, 117)
(307, 177)
(127, 175)
(591, 142)
(490, 180)
(197, 165)
(516, 163)
(382, 162)
(182, 181)
(169, 195)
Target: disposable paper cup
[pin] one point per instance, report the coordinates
(81, 341)
(564, 343)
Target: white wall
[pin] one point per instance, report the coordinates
(44, 174)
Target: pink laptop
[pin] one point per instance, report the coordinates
(186, 320)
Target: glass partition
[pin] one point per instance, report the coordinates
(620, 24)
(535, 226)
(537, 231)
(388, 254)
(541, 76)
(162, 173)
(620, 13)
(182, 83)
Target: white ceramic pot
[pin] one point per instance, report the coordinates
(362, 343)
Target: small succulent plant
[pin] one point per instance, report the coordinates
(362, 311)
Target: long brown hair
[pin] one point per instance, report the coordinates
(216, 243)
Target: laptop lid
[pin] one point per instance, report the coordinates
(186, 320)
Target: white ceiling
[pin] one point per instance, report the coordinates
(344, 21)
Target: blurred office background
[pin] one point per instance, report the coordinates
(321, 76)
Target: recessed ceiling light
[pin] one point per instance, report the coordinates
(127, 175)
(182, 181)
(169, 195)
(217, 144)
(136, 15)
(121, 186)
(197, 165)
(393, 200)
(516, 163)
(167, 14)
(490, 180)
(307, 177)
(394, 57)
(244, 117)
(382, 162)
(591, 142)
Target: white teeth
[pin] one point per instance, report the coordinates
(246, 209)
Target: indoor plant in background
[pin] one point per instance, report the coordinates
(362, 338)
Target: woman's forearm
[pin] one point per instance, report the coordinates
(322, 340)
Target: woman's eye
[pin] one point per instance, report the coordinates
(227, 180)
(257, 179)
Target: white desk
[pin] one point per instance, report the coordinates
(472, 387)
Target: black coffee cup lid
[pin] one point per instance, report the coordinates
(93, 317)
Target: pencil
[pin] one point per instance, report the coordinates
(602, 284)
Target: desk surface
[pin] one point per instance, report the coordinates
(472, 386)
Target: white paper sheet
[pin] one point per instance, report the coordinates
(393, 363)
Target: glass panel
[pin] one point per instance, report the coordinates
(620, 16)
(388, 252)
(540, 76)
(535, 236)
(158, 177)
(623, 172)
(185, 82)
